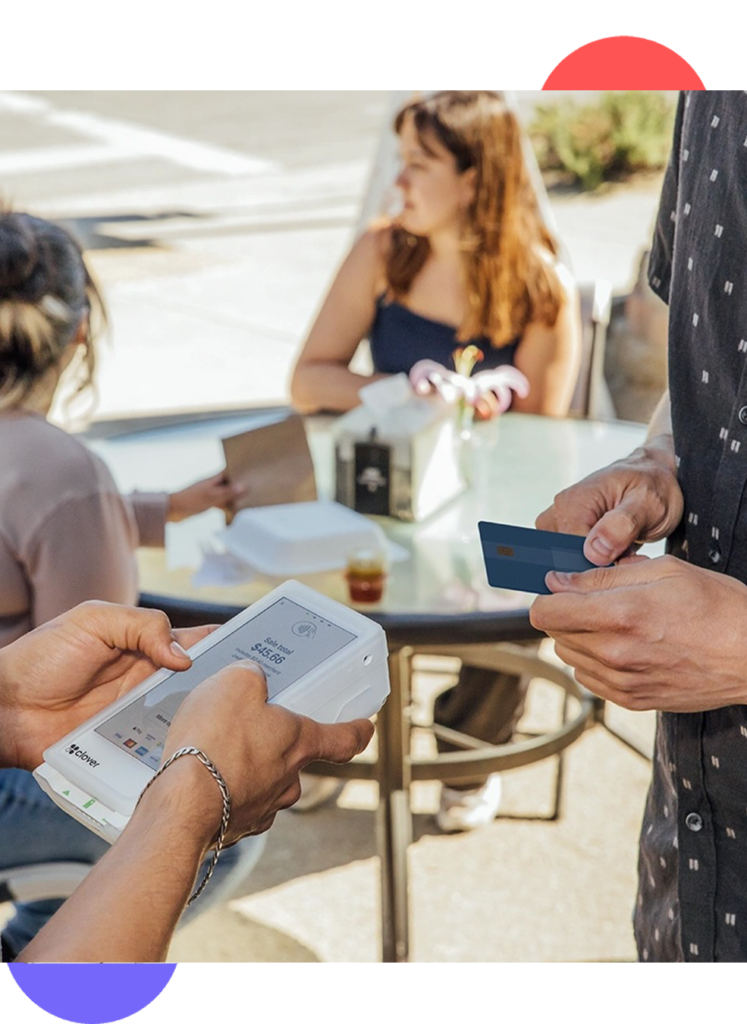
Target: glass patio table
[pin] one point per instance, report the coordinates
(436, 599)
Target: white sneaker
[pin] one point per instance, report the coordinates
(464, 809)
(316, 790)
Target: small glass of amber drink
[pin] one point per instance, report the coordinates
(366, 575)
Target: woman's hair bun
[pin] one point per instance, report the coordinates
(20, 266)
(47, 300)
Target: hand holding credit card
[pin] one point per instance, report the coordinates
(517, 558)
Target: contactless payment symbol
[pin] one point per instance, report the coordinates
(92, 993)
(305, 629)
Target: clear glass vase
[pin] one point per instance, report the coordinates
(465, 419)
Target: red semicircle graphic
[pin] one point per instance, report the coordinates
(623, 62)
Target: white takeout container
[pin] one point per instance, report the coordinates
(303, 537)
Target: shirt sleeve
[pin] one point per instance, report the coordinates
(662, 248)
(150, 509)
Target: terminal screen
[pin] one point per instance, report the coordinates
(286, 639)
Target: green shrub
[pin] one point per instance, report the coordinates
(608, 139)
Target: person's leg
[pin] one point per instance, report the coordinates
(33, 830)
(484, 704)
(487, 706)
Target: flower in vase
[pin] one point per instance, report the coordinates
(465, 358)
(465, 390)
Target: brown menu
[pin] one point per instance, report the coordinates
(273, 464)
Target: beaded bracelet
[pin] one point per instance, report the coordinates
(203, 759)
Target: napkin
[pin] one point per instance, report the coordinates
(394, 408)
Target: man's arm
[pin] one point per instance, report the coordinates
(144, 881)
(631, 631)
(57, 676)
(661, 418)
(127, 908)
(634, 633)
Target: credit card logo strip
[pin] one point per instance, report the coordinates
(503, 533)
(552, 557)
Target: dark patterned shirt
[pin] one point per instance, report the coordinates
(692, 899)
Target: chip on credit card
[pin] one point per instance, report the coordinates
(517, 558)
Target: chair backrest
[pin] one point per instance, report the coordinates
(591, 397)
(51, 881)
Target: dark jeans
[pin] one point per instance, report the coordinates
(33, 830)
(484, 704)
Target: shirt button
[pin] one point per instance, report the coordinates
(694, 822)
(714, 553)
(743, 415)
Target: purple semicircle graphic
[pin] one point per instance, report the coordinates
(92, 993)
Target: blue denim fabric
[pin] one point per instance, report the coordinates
(33, 830)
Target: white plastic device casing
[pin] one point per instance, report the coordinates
(351, 683)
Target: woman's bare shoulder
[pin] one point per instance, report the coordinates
(371, 251)
(376, 240)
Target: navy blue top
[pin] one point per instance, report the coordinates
(400, 338)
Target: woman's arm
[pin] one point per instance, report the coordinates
(321, 378)
(549, 357)
(153, 509)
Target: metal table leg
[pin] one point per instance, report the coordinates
(394, 821)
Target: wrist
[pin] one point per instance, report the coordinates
(660, 449)
(185, 800)
(655, 467)
(8, 746)
(173, 508)
(8, 759)
(656, 455)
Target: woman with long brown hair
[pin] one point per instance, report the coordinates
(468, 260)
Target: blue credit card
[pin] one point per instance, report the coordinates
(519, 559)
